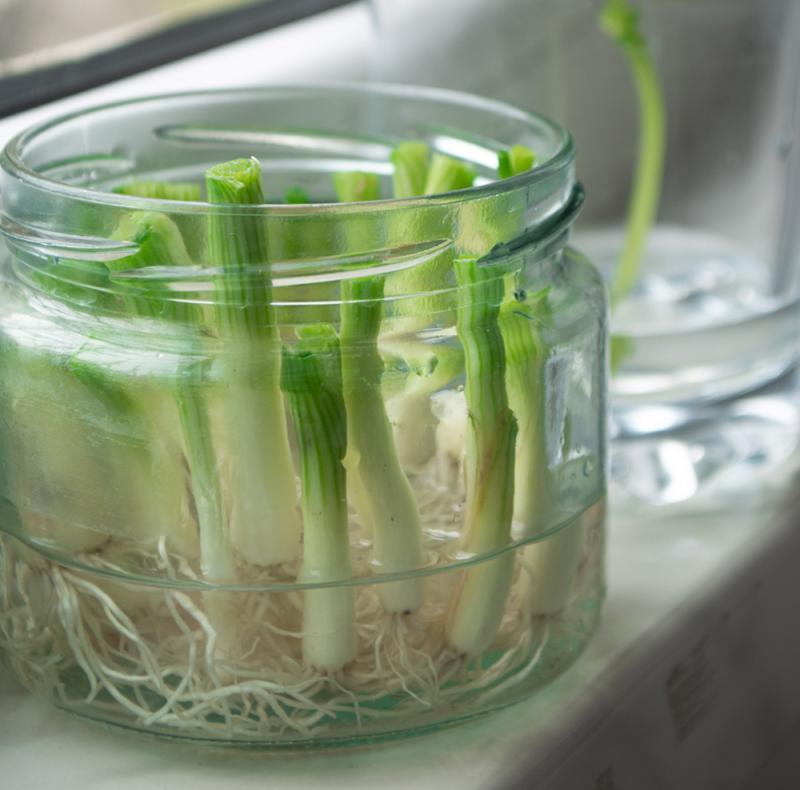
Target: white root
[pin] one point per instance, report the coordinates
(84, 640)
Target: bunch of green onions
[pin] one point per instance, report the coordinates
(324, 386)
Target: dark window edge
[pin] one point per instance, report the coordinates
(33, 89)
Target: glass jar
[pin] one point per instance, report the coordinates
(280, 473)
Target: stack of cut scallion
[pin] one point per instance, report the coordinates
(306, 410)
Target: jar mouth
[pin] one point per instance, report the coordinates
(374, 152)
(71, 224)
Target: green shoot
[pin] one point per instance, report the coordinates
(215, 551)
(355, 187)
(522, 318)
(296, 195)
(621, 23)
(160, 244)
(161, 190)
(349, 185)
(410, 160)
(447, 174)
(311, 378)
(385, 501)
(552, 563)
(514, 161)
(417, 173)
(425, 280)
(477, 610)
(264, 523)
(499, 218)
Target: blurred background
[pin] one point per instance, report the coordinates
(724, 125)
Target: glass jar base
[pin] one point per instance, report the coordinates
(153, 658)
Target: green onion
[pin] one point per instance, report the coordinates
(161, 190)
(552, 563)
(87, 453)
(447, 174)
(160, 244)
(264, 522)
(413, 177)
(478, 607)
(514, 161)
(410, 160)
(312, 381)
(386, 501)
(427, 294)
(354, 187)
(522, 317)
(215, 551)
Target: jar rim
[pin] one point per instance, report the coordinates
(12, 157)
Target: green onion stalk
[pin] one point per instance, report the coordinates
(522, 318)
(424, 290)
(418, 173)
(312, 380)
(477, 608)
(515, 160)
(161, 190)
(133, 483)
(621, 23)
(552, 563)
(498, 218)
(386, 501)
(160, 245)
(264, 521)
(357, 187)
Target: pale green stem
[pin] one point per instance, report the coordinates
(312, 380)
(479, 605)
(264, 522)
(387, 500)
